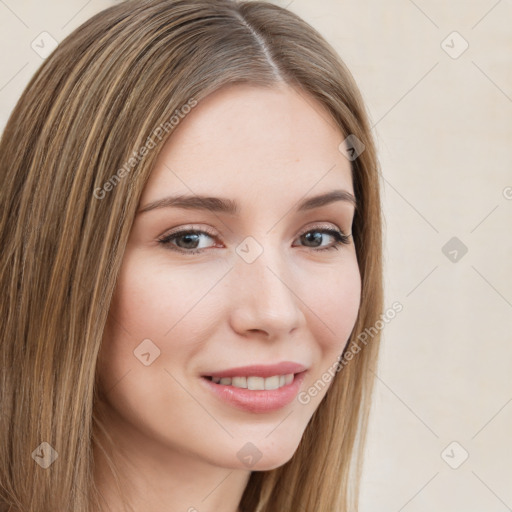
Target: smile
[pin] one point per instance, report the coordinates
(253, 393)
(254, 382)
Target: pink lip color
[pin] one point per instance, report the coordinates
(260, 370)
(257, 401)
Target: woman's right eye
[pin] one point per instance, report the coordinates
(191, 237)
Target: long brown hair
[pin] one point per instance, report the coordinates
(94, 102)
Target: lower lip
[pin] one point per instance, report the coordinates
(259, 401)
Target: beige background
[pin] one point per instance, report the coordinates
(443, 126)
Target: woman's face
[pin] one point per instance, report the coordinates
(266, 284)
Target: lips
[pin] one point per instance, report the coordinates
(255, 400)
(264, 371)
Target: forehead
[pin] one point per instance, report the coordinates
(245, 140)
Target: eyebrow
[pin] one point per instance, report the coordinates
(230, 207)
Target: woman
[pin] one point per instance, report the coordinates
(191, 238)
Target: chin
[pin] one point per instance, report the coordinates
(266, 454)
(275, 461)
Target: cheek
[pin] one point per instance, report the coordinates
(336, 305)
(157, 303)
(152, 299)
(137, 313)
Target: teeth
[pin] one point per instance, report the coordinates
(239, 382)
(272, 382)
(256, 383)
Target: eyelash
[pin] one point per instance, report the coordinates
(340, 239)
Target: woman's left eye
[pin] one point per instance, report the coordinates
(192, 237)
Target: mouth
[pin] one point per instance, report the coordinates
(254, 382)
(255, 393)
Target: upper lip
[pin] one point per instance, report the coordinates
(260, 370)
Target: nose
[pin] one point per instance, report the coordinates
(264, 298)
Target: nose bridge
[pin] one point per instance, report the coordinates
(265, 299)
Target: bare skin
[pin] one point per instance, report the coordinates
(178, 444)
